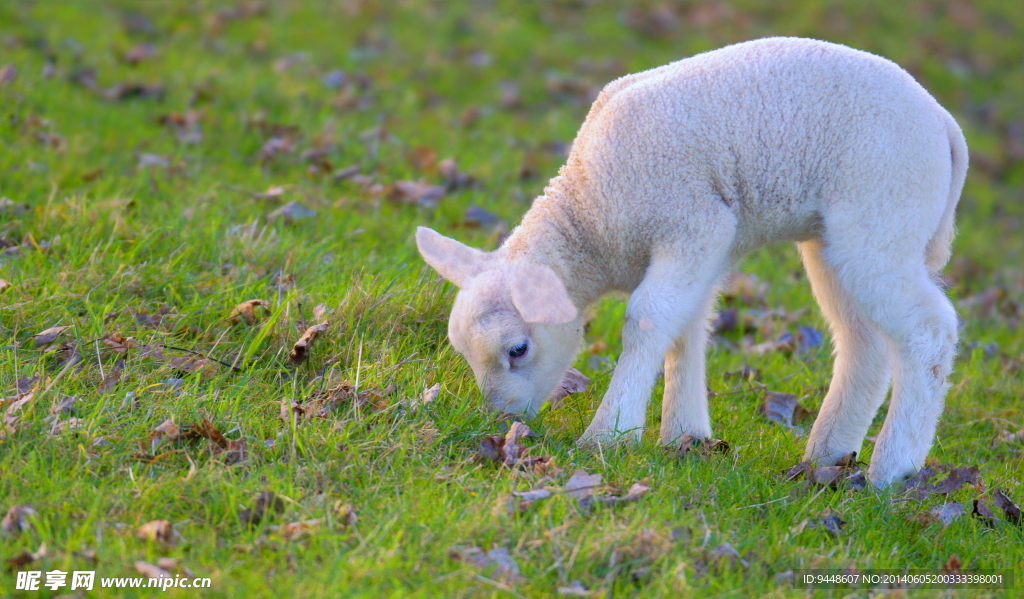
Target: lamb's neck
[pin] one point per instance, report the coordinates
(551, 236)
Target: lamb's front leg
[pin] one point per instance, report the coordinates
(672, 294)
(684, 409)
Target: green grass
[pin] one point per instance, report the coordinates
(103, 238)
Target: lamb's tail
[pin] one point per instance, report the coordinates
(938, 250)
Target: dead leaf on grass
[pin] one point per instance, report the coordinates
(118, 342)
(582, 484)
(246, 311)
(159, 531)
(5, 285)
(947, 512)
(497, 562)
(45, 339)
(293, 531)
(18, 520)
(508, 449)
(983, 512)
(300, 351)
(419, 193)
(324, 403)
(167, 430)
(574, 381)
(785, 409)
(267, 504)
(291, 212)
(1010, 509)
(150, 571)
(688, 445)
(26, 558)
(518, 502)
(429, 395)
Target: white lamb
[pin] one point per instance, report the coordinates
(680, 171)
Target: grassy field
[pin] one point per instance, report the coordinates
(150, 153)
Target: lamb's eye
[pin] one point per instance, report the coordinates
(517, 351)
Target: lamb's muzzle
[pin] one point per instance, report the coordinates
(680, 171)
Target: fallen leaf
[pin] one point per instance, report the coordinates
(947, 512)
(582, 484)
(18, 520)
(478, 218)
(723, 556)
(956, 478)
(519, 502)
(246, 311)
(291, 212)
(167, 430)
(139, 53)
(455, 178)
(5, 285)
(574, 381)
(25, 558)
(689, 443)
(118, 342)
(296, 530)
(1010, 509)
(160, 531)
(419, 192)
(833, 523)
(324, 403)
(150, 571)
(504, 567)
(272, 193)
(267, 504)
(46, 338)
(508, 449)
(429, 395)
(70, 424)
(783, 408)
(983, 512)
(300, 351)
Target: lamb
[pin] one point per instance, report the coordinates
(680, 171)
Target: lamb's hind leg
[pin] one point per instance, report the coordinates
(684, 408)
(894, 291)
(861, 371)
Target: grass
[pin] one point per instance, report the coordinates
(121, 227)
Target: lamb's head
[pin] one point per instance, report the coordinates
(512, 320)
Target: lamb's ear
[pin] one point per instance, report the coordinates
(539, 294)
(454, 261)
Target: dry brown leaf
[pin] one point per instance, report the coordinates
(574, 381)
(296, 530)
(18, 519)
(167, 430)
(784, 408)
(324, 403)
(688, 445)
(1010, 509)
(508, 449)
(118, 342)
(246, 311)
(983, 512)
(582, 484)
(344, 514)
(47, 337)
(504, 567)
(300, 351)
(150, 571)
(429, 395)
(5, 285)
(159, 531)
(112, 378)
(291, 212)
(419, 192)
(519, 502)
